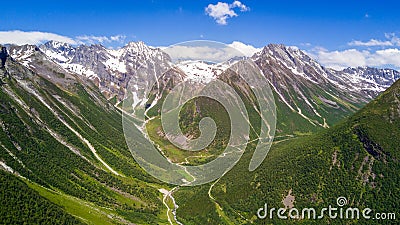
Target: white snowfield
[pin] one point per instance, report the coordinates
(200, 71)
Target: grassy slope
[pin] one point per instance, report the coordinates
(191, 114)
(48, 163)
(365, 171)
(20, 204)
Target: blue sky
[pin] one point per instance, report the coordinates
(344, 27)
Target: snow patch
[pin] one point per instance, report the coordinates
(114, 64)
(200, 71)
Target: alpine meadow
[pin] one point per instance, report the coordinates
(130, 113)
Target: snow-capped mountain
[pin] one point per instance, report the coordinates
(318, 95)
(58, 51)
(296, 61)
(34, 59)
(23, 53)
(111, 70)
(367, 80)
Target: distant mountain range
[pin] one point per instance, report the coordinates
(319, 95)
(61, 136)
(110, 69)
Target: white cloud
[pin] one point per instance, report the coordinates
(240, 5)
(206, 53)
(352, 58)
(119, 38)
(91, 39)
(247, 50)
(392, 40)
(386, 57)
(209, 51)
(31, 37)
(340, 59)
(307, 44)
(18, 37)
(222, 11)
(372, 42)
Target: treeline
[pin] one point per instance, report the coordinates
(21, 205)
(45, 161)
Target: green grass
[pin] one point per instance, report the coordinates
(190, 118)
(86, 211)
(366, 144)
(67, 178)
(23, 205)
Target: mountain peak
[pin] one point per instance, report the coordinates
(56, 44)
(23, 52)
(275, 46)
(139, 46)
